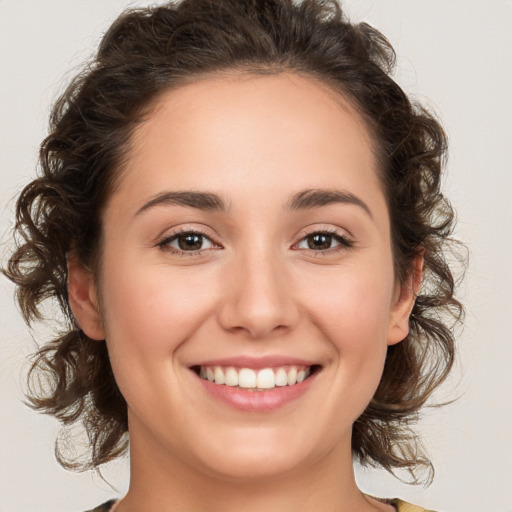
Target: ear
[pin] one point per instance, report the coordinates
(83, 299)
(403, 302)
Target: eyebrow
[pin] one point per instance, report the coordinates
(314, 198)
(209, 201)
(193, 199)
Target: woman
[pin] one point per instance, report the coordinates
(240, 215)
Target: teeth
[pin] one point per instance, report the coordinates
(266, 379)
(231, 377)
(219, 375)
(247, 378)
(292, 376)
(281, 377)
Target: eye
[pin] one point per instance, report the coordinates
(323, 241)
(187, 241)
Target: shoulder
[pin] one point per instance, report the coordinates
(103, 508)
(403, 506)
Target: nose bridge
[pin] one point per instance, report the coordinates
(259, 296)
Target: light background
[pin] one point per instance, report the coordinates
(455, 55)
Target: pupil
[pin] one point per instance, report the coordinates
(190, 242)
(320, 241)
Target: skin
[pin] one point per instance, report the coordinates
(255, 289)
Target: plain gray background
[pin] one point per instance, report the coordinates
(455, 56)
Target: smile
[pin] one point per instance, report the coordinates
(256, 384)
(256, 380)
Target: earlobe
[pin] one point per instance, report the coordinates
(404, 300)
(83, 299)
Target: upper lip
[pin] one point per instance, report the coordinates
(246, 361)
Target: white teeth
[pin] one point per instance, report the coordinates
(247, 378)
(292, 376)
(219, 375)
(281, 377)
(266, 378)
(231, 377)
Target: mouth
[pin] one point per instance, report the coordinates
(261, 379)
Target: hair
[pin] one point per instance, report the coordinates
(148, 51)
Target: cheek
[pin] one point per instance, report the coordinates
(147, 318)
(155, 309)
(352, 308)
(352, 304)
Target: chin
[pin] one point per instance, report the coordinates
(258, 468)
(254, 457)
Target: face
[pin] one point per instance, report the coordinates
(248, 242)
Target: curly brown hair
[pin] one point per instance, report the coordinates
(147, 51)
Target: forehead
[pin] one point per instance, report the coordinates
(282, 130)
(238, 99)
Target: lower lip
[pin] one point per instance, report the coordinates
(257, 401)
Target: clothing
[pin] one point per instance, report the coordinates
(401, 506)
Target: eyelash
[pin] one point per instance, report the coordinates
(164, 244)
(343, 241)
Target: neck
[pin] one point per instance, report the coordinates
(162, 483)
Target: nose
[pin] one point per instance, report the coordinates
(258, 296)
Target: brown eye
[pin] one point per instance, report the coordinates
(190, 242)
(324, 242)
(319, 241)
